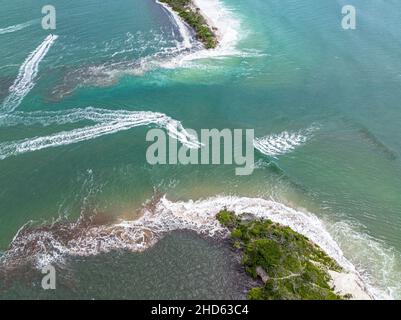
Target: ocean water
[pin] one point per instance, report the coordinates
(76, 104)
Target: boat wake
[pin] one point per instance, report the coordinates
(26, 76)
(106, 122)
(17, 27)
(112, 121)
(282, 143)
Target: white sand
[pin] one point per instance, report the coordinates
(349, 283)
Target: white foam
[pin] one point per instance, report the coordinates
(47, 245)
(228, 33)
(17, 27)
(228, 26)
(199, 216)
(26, 76)
(190, 50)
(47, 118)
(201, 213)
(186, 53)
(218, 16)
(281, 143)
(109, 121)
(378, 264)
(182, 27)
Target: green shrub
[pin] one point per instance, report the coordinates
(297, 268)
(195, 20)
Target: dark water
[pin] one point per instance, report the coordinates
(181, 266)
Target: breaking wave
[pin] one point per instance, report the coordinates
(17, 27)
(227, 28)
(281, 143)
(185, 32)
(88, 236)
(26, 76)
(107, 122)
(378, 263)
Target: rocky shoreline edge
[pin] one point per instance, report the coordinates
(192, 16)
(289, 265)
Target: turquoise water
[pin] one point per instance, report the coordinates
(291, 67)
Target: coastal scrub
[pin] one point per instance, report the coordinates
(289, 264)
(193, 17)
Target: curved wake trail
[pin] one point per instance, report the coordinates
(112, 121)
(48, 118)
(17, 27)
(282, 143)
(107, 122)
(26, 76)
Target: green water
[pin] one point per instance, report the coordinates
(298, 69)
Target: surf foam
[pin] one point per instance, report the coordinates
(379, 265)
(183, 53)
(54, 243)
(219, 17)
(26, 75)
(187, 39)
(227, 27)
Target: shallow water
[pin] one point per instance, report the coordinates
(287, 69)
(181, 266)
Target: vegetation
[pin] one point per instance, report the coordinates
(194, 19)
(290, 265)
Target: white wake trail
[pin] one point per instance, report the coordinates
(107, 122)
(110, 121)
(17, 27)
(48, 118)
(26, 76)
(281, 143)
